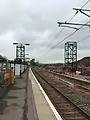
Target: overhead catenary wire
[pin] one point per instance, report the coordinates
(69, 36)
(64, 39)
(85, 4)
(83, 39)
(70, 19)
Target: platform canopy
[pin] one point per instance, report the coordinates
(3, 59)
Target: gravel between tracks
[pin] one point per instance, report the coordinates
(65, 109)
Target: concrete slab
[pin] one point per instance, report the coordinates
(14, 102)
(18, 104)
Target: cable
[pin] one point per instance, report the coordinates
(58, 33)
(70, 19)
(69, 35)
(63, 39)
(64, 28)
(83, 39)
(77, 11)
(85, 4)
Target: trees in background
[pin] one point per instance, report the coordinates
(34, 63)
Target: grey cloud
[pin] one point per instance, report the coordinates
(34, 22)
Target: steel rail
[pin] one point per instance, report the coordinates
(86, 115)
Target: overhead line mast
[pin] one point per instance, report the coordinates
(82, 11)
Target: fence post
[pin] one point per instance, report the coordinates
(14, 67)
(10, 72)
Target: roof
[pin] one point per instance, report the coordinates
(3, 59)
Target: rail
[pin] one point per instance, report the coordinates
(87, 115)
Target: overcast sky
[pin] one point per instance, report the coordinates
(35, 22)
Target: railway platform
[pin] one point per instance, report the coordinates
(18, 103)
(26, 100)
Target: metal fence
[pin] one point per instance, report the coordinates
(17, 68)
(5, 71)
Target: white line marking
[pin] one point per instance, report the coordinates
(58, 117)
(69, 83)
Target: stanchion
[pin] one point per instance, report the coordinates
(20, 69)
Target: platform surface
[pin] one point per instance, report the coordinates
(18, 104)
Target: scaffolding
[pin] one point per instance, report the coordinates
(71, 55)
(20, 52)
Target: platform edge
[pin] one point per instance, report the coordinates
(58, 117)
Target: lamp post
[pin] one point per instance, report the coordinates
(19, 47)
(14, 61)
(25, 54)
(20, 53)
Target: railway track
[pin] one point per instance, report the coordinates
(56, 92)
(79, 87)
(83, 84)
